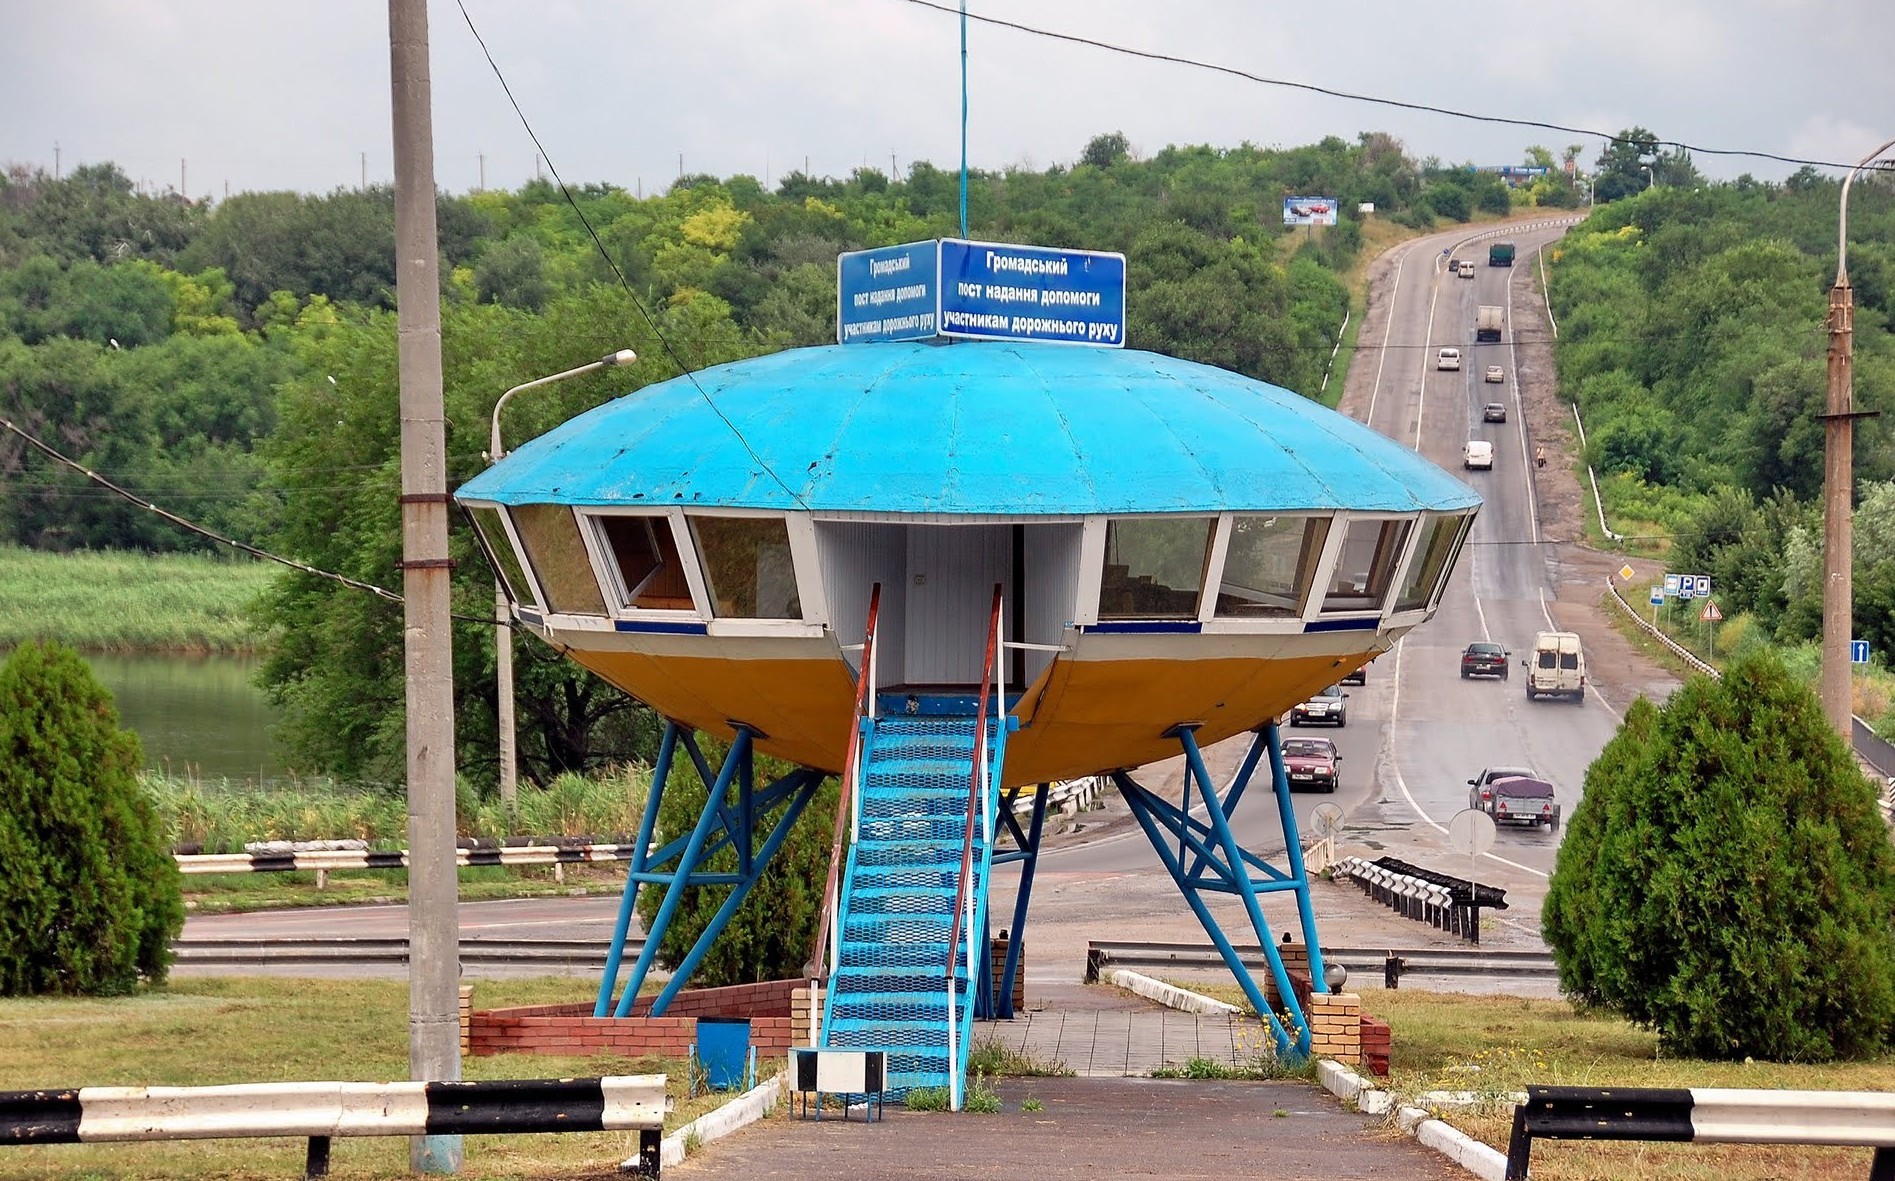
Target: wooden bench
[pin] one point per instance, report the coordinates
(1702, 1115)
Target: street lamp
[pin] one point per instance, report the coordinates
(1839, 475)
(1649, 182)
(503, 632)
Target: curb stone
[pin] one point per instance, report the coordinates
(745, 1109)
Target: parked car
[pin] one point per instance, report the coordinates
(1522, 799)
(1448, 359)
(1494, 412)
(1494, 374)
(1311, 763)
(1330, 707)
(1484, 659)
(1478, 455)
(1480, 793)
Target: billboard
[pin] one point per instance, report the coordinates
(1001, 291)
(1309, 211)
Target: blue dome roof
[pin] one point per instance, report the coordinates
(994, 428)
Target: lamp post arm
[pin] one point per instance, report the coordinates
(494, 450)
(1842, 222)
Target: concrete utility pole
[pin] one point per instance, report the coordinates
(1839, 477)
(434, 1040)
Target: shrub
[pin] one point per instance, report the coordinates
(1727, 879)
(90, 898)
(770, 936)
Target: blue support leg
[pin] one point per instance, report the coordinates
(1293, 844)
(687, 861)
(660, 772)
(1029, 863)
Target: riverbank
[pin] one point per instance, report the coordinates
(118, 601)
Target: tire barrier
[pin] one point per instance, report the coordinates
(319, 1111)
(1444, 902)
(325, 857)
(1705, 1116)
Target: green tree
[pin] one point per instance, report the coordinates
(90, 897)
(1727, 879)
(1622, 166)
(770, 936)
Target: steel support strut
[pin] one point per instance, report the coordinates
(729, 819)
(1026, 852)
(1205, 856)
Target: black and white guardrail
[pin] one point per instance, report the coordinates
(1104, 955)
(1705, 1116)
(319, 1111)
(329, 858)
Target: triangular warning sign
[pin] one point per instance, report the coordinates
(1710, 614)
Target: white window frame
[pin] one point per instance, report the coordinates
(505, 516)
(1332, 554)
(591, 545)
(1396, 611)
(1091, 570)
(1289, 622)
(618, 595)
(805, 562)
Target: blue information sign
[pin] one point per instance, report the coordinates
(1858, 651)
(995, 291)
(888, 294)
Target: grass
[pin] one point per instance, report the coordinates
(207, 1031)
(112, 601)
(991, 1057)
(1494, 1046)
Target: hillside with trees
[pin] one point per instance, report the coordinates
(235, 362)
(1692, 336)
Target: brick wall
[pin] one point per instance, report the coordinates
(572, 1030)
(1376, 1044)
(1335, 1024)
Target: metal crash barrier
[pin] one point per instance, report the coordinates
(1442, 901)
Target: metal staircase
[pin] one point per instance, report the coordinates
(910, 918)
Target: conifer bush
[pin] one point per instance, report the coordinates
(1728, 880)
(90, 897)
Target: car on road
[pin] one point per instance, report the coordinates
(1311, 763)
(1522, 799)
(1329, 707)
(1557, 667)
(1448, 359)
(1466, 269)
(1494, 374)
(1484, 659)
(1359, 677)
(1480, 795)
(1494, 412)
(1478, 455)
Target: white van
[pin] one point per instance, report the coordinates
(1557, 667)
(1448, 359)
(1466, 269)
(1478, 455)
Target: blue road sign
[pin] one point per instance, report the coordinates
(1858, 651)
(1703, 588)
(1671, 584)
(893, 293)
(995, 291)
(1658, 596)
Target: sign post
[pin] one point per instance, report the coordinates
(1710, 616)
(1859, 655)
(1658, 600)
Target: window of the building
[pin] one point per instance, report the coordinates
(1154, 567)
(1270, 564)
(646, 553)
(748, 568)
(1366, 565)
(558, 554)
(500, 548)
(1431, 563)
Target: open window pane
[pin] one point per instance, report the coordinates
(1269, 565)
(1366, 565)
(500, 549)
(551, 537)
(748, 566)
(1430, 564)
(646, 553)
(1154, 567)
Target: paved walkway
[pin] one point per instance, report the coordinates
(1098, 1031)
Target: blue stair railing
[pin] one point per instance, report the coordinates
(914, 894)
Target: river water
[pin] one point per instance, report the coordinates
(199, 716)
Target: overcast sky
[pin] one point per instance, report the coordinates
(261, 94)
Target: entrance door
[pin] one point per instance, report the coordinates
(952, 570)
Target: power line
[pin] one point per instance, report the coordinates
(1350, 96)
(613, 263)
(193, 527)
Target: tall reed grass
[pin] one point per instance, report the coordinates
(221, 816)
(106, 601)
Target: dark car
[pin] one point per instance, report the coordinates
(1480, 795)
(1519, 799)
(1311, 763)
(1483, 659)
(1359, 677)
(1494, 412)
(1330, 708)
